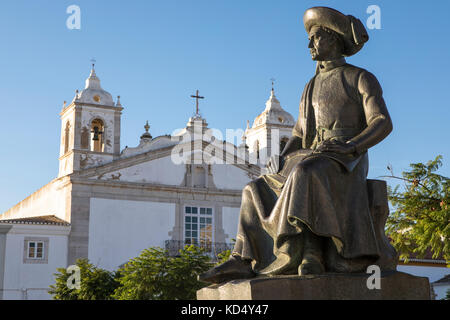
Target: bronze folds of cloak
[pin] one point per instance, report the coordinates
(311, 214)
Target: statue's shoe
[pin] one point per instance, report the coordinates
(311, 265)
(234, 268)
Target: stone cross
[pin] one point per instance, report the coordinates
(196, 96)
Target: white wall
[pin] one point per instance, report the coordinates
(440, 290)
(49, 200)
(120, 229)
(31, 281)
(160, 171)
(229, 177)
(230, 219)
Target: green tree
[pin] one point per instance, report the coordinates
(447, 295)
(225, 255)
(95, 284)
(420, 215)
(154, 275)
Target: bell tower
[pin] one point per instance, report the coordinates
(90, 128)
(269, 132)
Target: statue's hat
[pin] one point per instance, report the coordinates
(351, 29)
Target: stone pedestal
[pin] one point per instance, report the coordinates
(394, 286)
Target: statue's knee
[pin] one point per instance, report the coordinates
(248, 188)
(310, 167)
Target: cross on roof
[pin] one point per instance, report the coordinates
(196, 96)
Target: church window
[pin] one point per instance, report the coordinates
(283, 143)
(97, 135)
(257, 149)
(66, 137)
(198, 226)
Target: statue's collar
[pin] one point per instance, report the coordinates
(324, 66)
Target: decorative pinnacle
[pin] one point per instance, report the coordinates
(273, 80)
(118, 101)
(146, 134)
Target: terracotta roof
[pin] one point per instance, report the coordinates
(45, 220)
(425, 260)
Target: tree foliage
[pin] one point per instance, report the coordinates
(420, 215)
(95, 284)
(155, 275)
(225, 255)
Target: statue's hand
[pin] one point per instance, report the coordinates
(337, 147)
(274, 164)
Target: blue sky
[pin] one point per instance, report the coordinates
(155, 54)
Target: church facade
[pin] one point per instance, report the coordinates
(107, 204)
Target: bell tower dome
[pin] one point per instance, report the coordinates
(269, 132)
(90, 128)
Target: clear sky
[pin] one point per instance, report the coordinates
(155, 54)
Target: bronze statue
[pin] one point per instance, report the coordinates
(311, 214)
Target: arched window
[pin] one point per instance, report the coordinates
(257, 149)
(66, 137)
(283, 142)
(97, 135)
(85, 138)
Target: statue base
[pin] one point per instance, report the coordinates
(393, 286)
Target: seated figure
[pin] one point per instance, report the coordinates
(311, 213)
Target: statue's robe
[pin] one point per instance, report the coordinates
(322, 191)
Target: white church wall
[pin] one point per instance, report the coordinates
(230, 218)
(120, 229)
(159, 171)
(148, 145)
(49, 200)
(90, 159)
(229, 177)
(25, 279)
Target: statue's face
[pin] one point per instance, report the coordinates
(322, 45)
